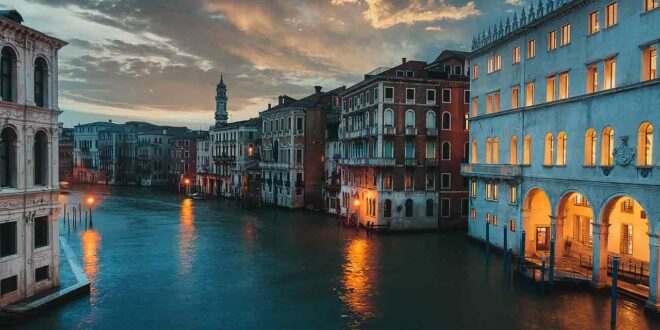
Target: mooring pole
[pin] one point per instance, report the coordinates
(521, 262)
(487, 239)
(542, 274)
(505, 247)
(91, 223)
(615, 276)
(551, 271)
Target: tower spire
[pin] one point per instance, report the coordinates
(221, 114)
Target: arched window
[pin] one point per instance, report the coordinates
(590, 147)
(527, 150)
(410, 118)
(645, 144)
(607, 147)
(366, 119)
(473, 157)
(446, 150)
(549, 149)
(561, 149)
(429, 207)
(41, 159)
(496, 150)
(8, 158)
(8, 75)
(489, 151)
(409, 208)
(388, 208)
(430, 119)
(40, 82)
(276, 151)
(446, 121)
(375, 117)
(389, 117)
(513, 157)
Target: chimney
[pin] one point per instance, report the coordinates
(404, 60)
(110, 121)
(318, 90)
(268, 106)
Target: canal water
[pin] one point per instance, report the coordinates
(159, 261)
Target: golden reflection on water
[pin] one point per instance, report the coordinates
(358, 279)
(91, 242)
(187, 236)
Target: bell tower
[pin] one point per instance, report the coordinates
(221, 115)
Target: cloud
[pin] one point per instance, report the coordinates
(515, 2)
(435, 28)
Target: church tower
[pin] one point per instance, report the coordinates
(221, 115)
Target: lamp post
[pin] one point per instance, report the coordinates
(90, 202)
(187, 183)
(357, 213)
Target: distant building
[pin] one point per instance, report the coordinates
(183, 164)
(65, 159)
(332, 171)
(203, 165)
(29, 235)
(86, 157)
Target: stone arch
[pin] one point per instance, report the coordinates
(574, 219)
(536, 222)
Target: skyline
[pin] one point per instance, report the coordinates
(127, 61)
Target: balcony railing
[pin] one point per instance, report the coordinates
(357, 134)
(432, 132)
(368, 161)
(411, 130)
(491, 170)
(431, 162)
(274, 165)
(389, 130)
(411, 162)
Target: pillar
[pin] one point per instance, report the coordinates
(654, 296)
(599, 259)
(558, 234)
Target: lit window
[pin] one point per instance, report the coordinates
(475, 72)
(611, 15)
(513, 157)
(493, 103)
(516, 54)
(645, 145)
(496, 151)
(593, 22)
(590, 148)
(563, 85)
(650, 64)
(561, 149)
(512, 225)
(473, 189)
(565, 34)
(473, 158)
(626, 239)
(491, 64)
(650, 5)
(513, 195)
(529, 94)
(549, 150)
(473, 214)
(527, 150)
(474, 107)
(489, 151)
(609, 80)
(552, 40)
(550, 89)
(515, 91)
(592, 78)
(498, 62)
(531, 48)
(607, 148)
(494, 219)
(409, 181)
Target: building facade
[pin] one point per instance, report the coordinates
(29, 244)
(65, 152)
(404, 132)
(183, 154)
(562, 155)
(86, 156)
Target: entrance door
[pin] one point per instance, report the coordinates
(542, 238)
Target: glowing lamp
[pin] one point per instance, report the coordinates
(187, 181)
(89, 200)
(356, 202)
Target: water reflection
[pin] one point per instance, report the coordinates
(358, 280)
(187, 236)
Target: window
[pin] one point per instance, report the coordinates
(430, 119)
(610, 17)
(474, 107)
(496, 150)
(8, 75)
(445, 181)
(529, 94)
(515, 91)
(531, 48)
(409, 208)
(389, 94)
(498, 62)
(410, 181)
(299, 156)
(549, 150)
(489, 151)
(650, 5)
(399, 73)
(8, 285)
(650, 64)
(473, 157)
(493, 218)
(410, 74)
(628, 206)
(491, 64)
(645, 145)
(527, 150)
(473, 214)
(430, 149)
(410, 118)
(561, 149)
(491, 191)
(446, 95)
(513, 157)
(609, 80)
(446, 121)
(388, 147)
(513, 194)
(8, 143)
(466, 125)
(475, 72)
(299, 124)
(430, 181)
(387, 182)
(430, 96)
(458, 70)
(590, 148)
(429, 207)
(493, 102)
(626, 239)
(388, 209)
(40, 82)
(40, 232)
(550, 89)
(466, 97)
(7, 239)
(593, 22)
(552, 40)
(375, 95)
(445, 208)
(607, 148)
(473, 189)
(592, 78)
(512, 225)
(41, 159)
(565, 34)
(563, 85)
(516, 54)
(389, 117)
(41, 274)
(410, 95)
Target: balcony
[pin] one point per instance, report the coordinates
(431, 132)
(373, 130)
(411, 131)
(411, 162)
(357, 133)
(431, 162)
(500, 171)
(382, 162)
(389, 130)
(354, 161)
(377, 162)
(224, 159)
(274, 165)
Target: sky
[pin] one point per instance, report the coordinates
(159, 60)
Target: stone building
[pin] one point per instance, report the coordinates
(111, 150)
(65, 154)
(183, 160)
(203, 164)
(562, 148)
(293, 147)
(29, 244)
(86, 157)
(404, 132)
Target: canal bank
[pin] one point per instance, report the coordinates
(208, 265)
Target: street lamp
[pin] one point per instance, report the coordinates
(187, 183)
(356, 202)
(90, 202)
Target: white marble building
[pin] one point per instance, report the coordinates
(29, 205)
(564, 100)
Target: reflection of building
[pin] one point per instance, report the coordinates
(293, 144)
(404, 134)
(558, 152)
(66, 154)
(29, 245)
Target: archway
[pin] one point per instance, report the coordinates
(536, 223)
(574, 232)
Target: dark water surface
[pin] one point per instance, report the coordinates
(157, 261)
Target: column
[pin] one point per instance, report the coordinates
(599, 260)
(654, 296)
(558, 234)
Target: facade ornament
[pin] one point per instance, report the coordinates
(501, 29)
(539, 10)
(624, 155)
(531, 12)
(523, 18)
(514, 26)
(550, 6)
(508, 25)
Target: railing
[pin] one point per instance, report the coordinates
(274, 165)
(491, 170)
(389, 130)
(432, 132)
(411, 162)
(431, 162)
(630, 269)
(368, 161)
(411, 130)
(357, 133)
